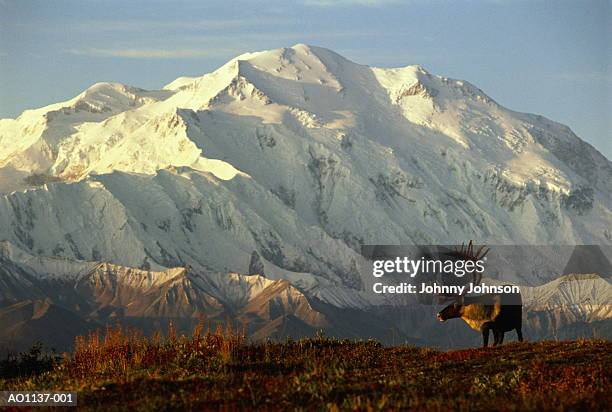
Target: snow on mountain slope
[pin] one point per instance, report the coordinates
(587, 297)
(233, 290)
(298, 156)
(96, 293)
(35, 300)
(44, 265)
(570, 306)
(41, 131)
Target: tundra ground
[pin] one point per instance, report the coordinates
(218, 370)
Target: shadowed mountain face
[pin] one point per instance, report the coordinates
(53, 300)
(281, 163)
(55, 306)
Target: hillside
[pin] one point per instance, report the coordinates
(217, 371)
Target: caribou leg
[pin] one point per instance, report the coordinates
(500, 339)
(485, 335)
(495, 337)
(519, 333)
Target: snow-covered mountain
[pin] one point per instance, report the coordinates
(283, 163)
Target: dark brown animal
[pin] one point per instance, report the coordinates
(493, 312)
(499, 313)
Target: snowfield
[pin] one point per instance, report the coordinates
(282, 164)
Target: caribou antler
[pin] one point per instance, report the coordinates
(467, 252)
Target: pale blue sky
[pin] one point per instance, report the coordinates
(547, 57)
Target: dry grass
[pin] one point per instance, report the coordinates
(121, 352)
(218, 369)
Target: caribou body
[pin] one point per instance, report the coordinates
(499, 313)
(496, 312)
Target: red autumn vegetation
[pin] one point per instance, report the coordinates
(218, 369)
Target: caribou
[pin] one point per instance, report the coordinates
(496, 312)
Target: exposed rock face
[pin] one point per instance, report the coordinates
(53, 300)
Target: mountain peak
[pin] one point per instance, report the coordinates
(288, 118)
